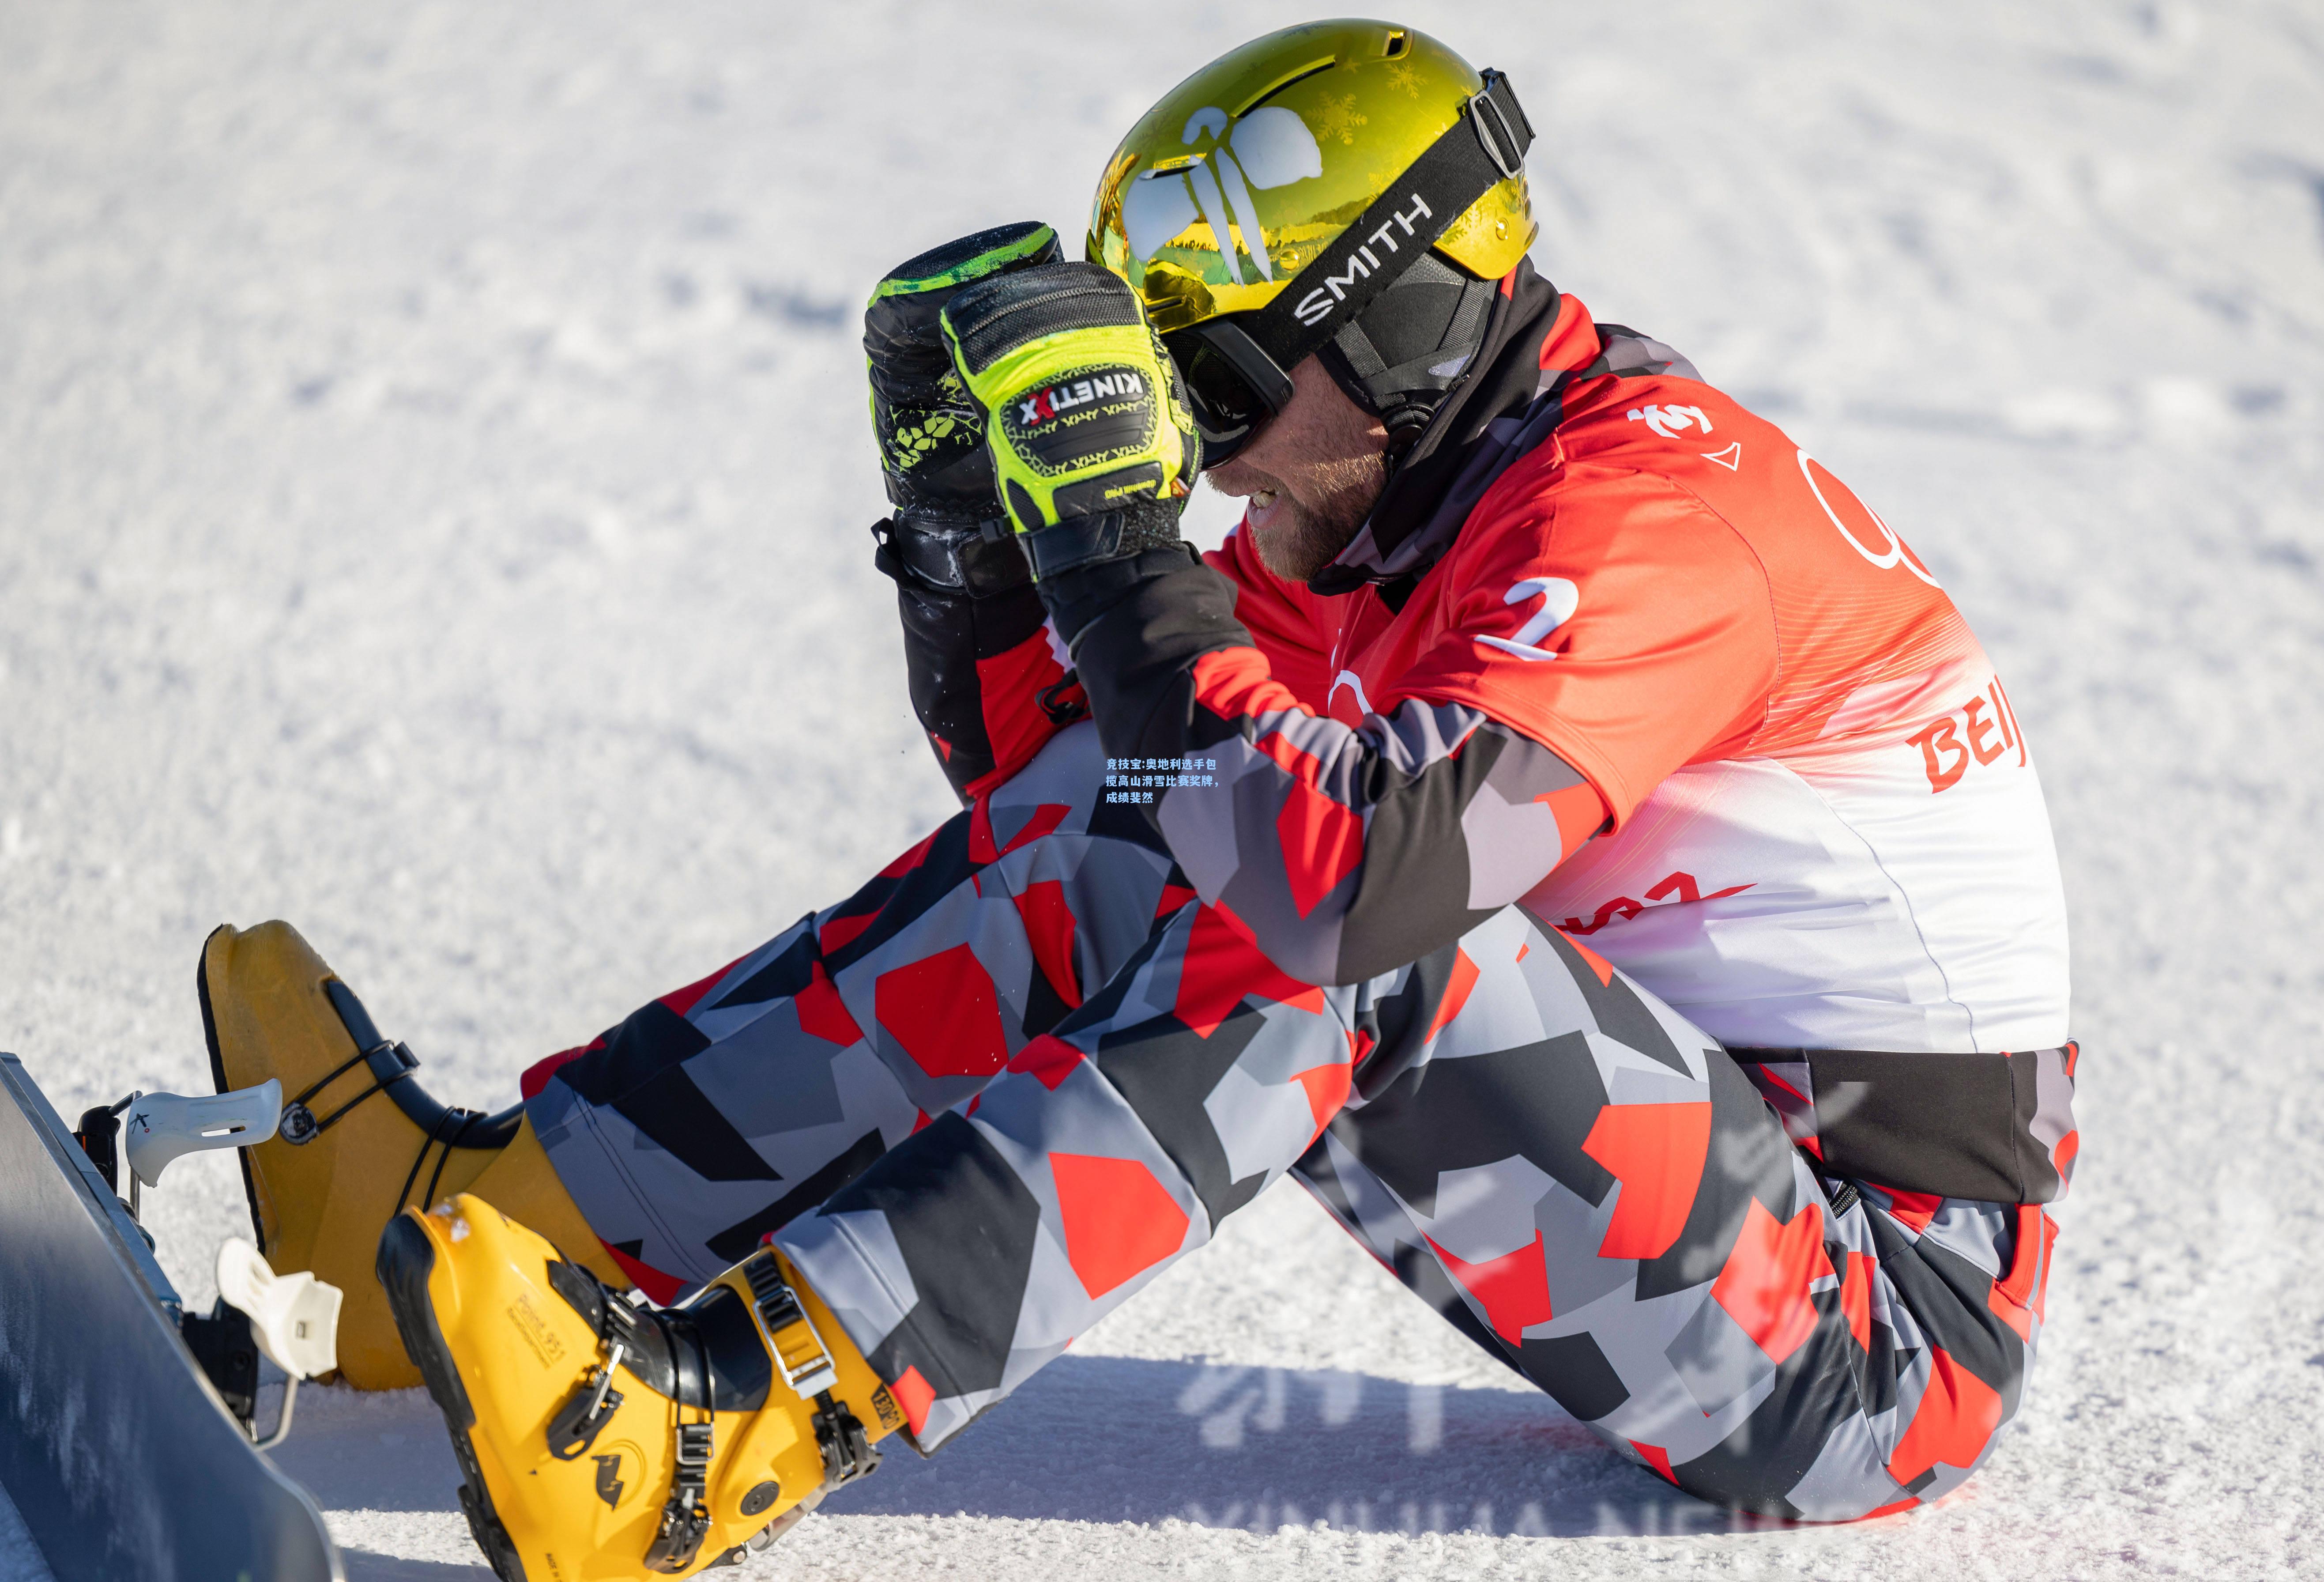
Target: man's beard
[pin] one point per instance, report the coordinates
(1307, 535)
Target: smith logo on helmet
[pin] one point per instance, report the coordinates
(1088, 416)
(1316, 305)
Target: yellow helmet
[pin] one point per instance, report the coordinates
(1232, 199)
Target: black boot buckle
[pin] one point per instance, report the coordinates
(685, 1518)
(847, 1452)
(587, 1411)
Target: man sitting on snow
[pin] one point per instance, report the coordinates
(1562, 827)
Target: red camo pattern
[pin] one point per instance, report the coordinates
(1036, 1073)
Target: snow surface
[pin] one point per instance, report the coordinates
(433, 476)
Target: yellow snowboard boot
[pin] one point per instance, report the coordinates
(600, 1439)
(360, 1138)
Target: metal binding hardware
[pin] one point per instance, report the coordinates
(684, 1519)
(1510, 164)
(807, 1369)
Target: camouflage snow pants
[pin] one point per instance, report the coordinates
(1021, 1071)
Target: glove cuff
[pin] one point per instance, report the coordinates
(1075, 599)
(1110, 535)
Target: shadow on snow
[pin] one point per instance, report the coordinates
(1116, 1439)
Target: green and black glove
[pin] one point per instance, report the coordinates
(1089, 432)
(949, 532)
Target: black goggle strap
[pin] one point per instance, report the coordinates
(1483, 148)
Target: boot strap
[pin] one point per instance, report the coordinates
(391, 1066)
(799, 1353)
(806, 1364)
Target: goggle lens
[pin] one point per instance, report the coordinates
(1228, 409)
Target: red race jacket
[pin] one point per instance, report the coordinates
(1617, 651)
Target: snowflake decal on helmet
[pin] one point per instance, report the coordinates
(1341, 118)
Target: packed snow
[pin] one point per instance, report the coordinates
(433, 484)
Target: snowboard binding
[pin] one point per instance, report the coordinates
(103, 1357)
(292, 1320)
(359, 1136)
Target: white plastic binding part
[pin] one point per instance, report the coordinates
(161, 1128)
(294, 1317)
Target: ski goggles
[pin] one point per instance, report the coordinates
(1232, 386)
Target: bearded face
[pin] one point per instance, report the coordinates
(1311, 475)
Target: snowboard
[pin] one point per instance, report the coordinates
(122, 1458)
